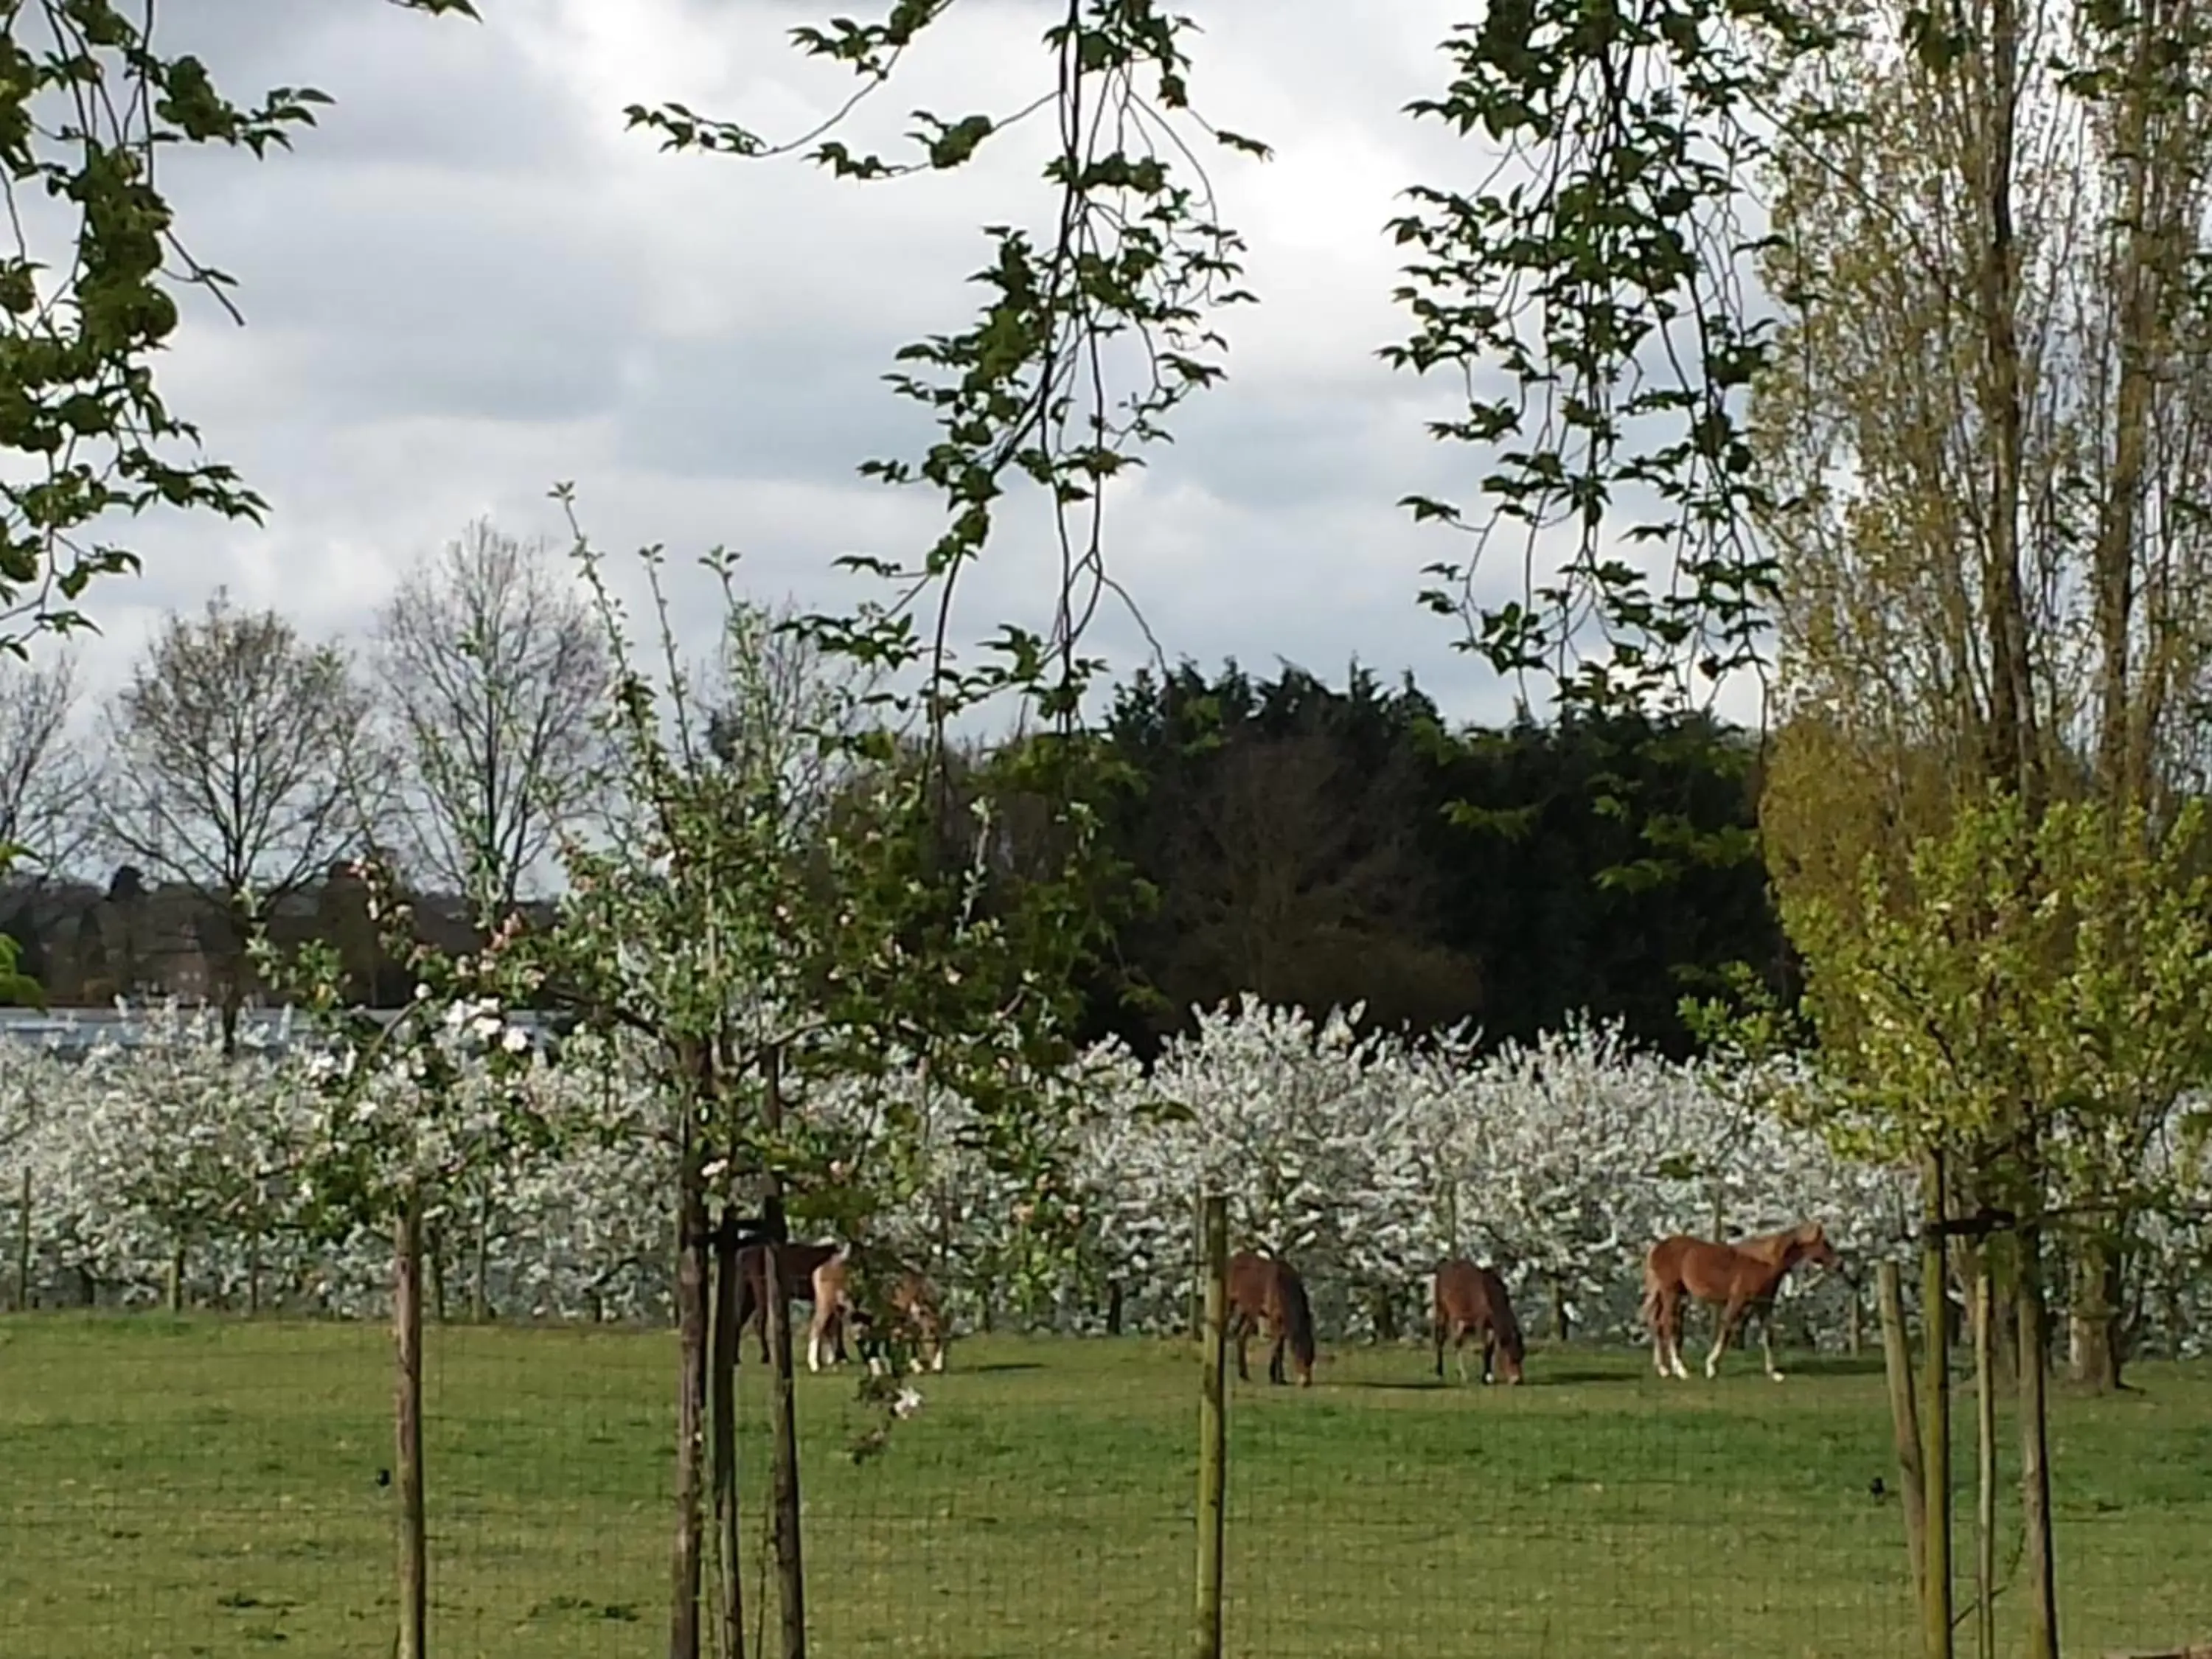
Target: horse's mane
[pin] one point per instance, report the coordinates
(1507, 1321)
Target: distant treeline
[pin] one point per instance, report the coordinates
(1316, 846)
(1324, 847)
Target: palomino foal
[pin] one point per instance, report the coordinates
(1737, 1278)
(911, 1307)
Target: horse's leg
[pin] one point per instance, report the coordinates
(1275, 1354)
(1666, 1331)
(1244, 1334)
(1489, 1354)
(1729, 1317)
(1459, 1349)
(1674, 1305)
(1766, 1340)
(1438, 1320)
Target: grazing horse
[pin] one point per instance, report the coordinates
(1262, 1290)
(833, 1310)
(1737, 1278)
(1470, 1300)
(915, 1310)
(797, 1262)
(911, 1308)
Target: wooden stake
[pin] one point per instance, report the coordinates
(407, 1423)
(1986, 1466)
(1213, 1426)
(1936, 1421)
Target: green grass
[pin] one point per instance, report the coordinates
(200, 1486)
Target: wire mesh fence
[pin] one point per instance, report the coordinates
(217, 1483)
(197, 1442)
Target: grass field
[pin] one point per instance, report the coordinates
(197, 1487)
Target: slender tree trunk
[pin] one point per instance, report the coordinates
(1904, 1421)
(791, 1576)
(1197, 1276)
(23, 1244)
(724, 1390)
(1562, 1322)
(2015, 754)
(1385, 1315)
(480, 1269)
(2034, 1457)
(691, 1392)
(1936, 1419)
(176, 1296)
(407, 1424)
(2095, 1344)
(433, 1260)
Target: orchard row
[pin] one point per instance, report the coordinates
(163, 1170)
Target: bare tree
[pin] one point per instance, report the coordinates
(233, 769)
(492, 667)
(773, 696)
(44, 780)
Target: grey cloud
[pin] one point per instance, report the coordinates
(763, 404)
(408, 88)
(468, 284)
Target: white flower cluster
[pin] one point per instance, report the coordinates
(1363, 1160)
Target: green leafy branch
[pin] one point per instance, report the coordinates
(1586, 292)
(89, 291)
(1092, 332)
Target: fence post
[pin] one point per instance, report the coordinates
(407, 1423)
(1985, 1464)
(1212, 1425)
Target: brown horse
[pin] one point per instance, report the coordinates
(1737, 1278)
(1262, 1290)
(797, 1262)
(1470, 1300)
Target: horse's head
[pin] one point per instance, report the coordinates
(1511, 1352)
(1810, 1243)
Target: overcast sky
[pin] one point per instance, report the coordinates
(471, 281)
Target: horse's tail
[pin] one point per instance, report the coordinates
(1439, 1319)
(1298, 1318)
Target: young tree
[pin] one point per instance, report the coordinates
(748, 945)
(492, 667)
(1993, 423)
(232, 756)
